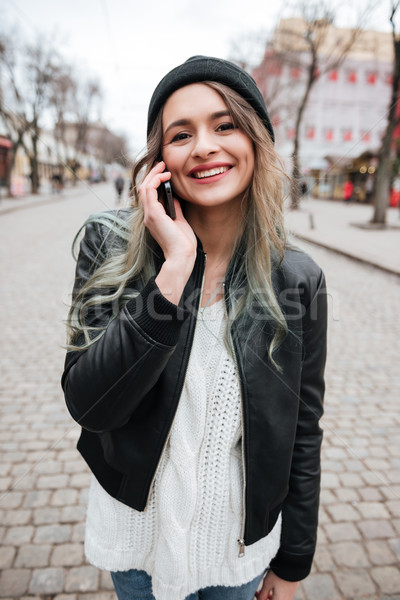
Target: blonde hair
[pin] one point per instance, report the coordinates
(259, 250)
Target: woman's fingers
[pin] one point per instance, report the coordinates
(275, 588)
(265, 594)
(149, 194)
(178, 209)
(149, 188)
(154, 178)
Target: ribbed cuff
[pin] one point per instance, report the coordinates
(156, 316)
(291, 567)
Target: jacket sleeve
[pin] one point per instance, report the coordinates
(105, 384)
(300, 509)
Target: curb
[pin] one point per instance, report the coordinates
(38, 202)
(347, 254)
(41, 200)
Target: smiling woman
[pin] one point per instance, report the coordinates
(196, 359)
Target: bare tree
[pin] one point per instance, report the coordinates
(38, 88)
(40, 68)
(311, 45)
(28, 72)
(317, 52)
(114, 148)
(75, 102)
(87, 103)
(13, 121)
(62, 100)
(383, 177)
(247, 49)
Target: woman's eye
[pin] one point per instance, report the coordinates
(179, 137)
(225, 126)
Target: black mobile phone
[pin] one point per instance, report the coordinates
(165, 196)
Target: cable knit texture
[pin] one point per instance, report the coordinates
(186, 539)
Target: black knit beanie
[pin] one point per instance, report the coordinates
(208, 68)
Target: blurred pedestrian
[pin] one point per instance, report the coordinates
(369, 189)
(303, 188)
(196, 357)
(56, 183)
(119, 186)
(348, 190)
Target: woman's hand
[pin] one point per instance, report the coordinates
(275, 588)
(175, 237)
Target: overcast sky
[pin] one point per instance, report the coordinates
(130, 45)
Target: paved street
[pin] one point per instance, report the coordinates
(43, 480)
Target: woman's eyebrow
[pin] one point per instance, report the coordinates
(178, 123)
(183, 122)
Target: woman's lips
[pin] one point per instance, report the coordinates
(209, 173)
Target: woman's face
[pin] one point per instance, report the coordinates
(211, 160)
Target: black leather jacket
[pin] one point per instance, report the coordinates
(124, 391)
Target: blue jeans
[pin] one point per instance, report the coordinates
(136, 585)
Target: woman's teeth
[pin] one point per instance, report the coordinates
(210, 173)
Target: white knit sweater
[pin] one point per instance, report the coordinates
(186, 539)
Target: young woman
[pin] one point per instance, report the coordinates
(196, 359)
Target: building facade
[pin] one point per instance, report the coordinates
(345, 117)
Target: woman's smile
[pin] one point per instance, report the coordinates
(209, 173)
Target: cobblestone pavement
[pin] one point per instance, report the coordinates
(43, 480)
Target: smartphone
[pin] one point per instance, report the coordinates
(166, 198)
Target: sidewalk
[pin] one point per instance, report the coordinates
(8, 205)
(336, 226)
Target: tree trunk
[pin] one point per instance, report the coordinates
(8, 183)
(33, 159)
(382, 183)
(383, 177)
(34, 175)
(9, 168)
(295, 185)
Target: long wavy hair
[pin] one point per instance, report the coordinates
(259, 249)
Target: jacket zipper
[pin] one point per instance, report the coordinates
(241, 541)
(172, 422)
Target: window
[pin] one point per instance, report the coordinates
(389, 78)
(328, 135)
(366, 136)
(371, 77)
(333, 75)
(352, 76)
(310, 132)
(291, 133)
(295, 72)
(347, 135)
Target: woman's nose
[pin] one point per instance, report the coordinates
(205, 144)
